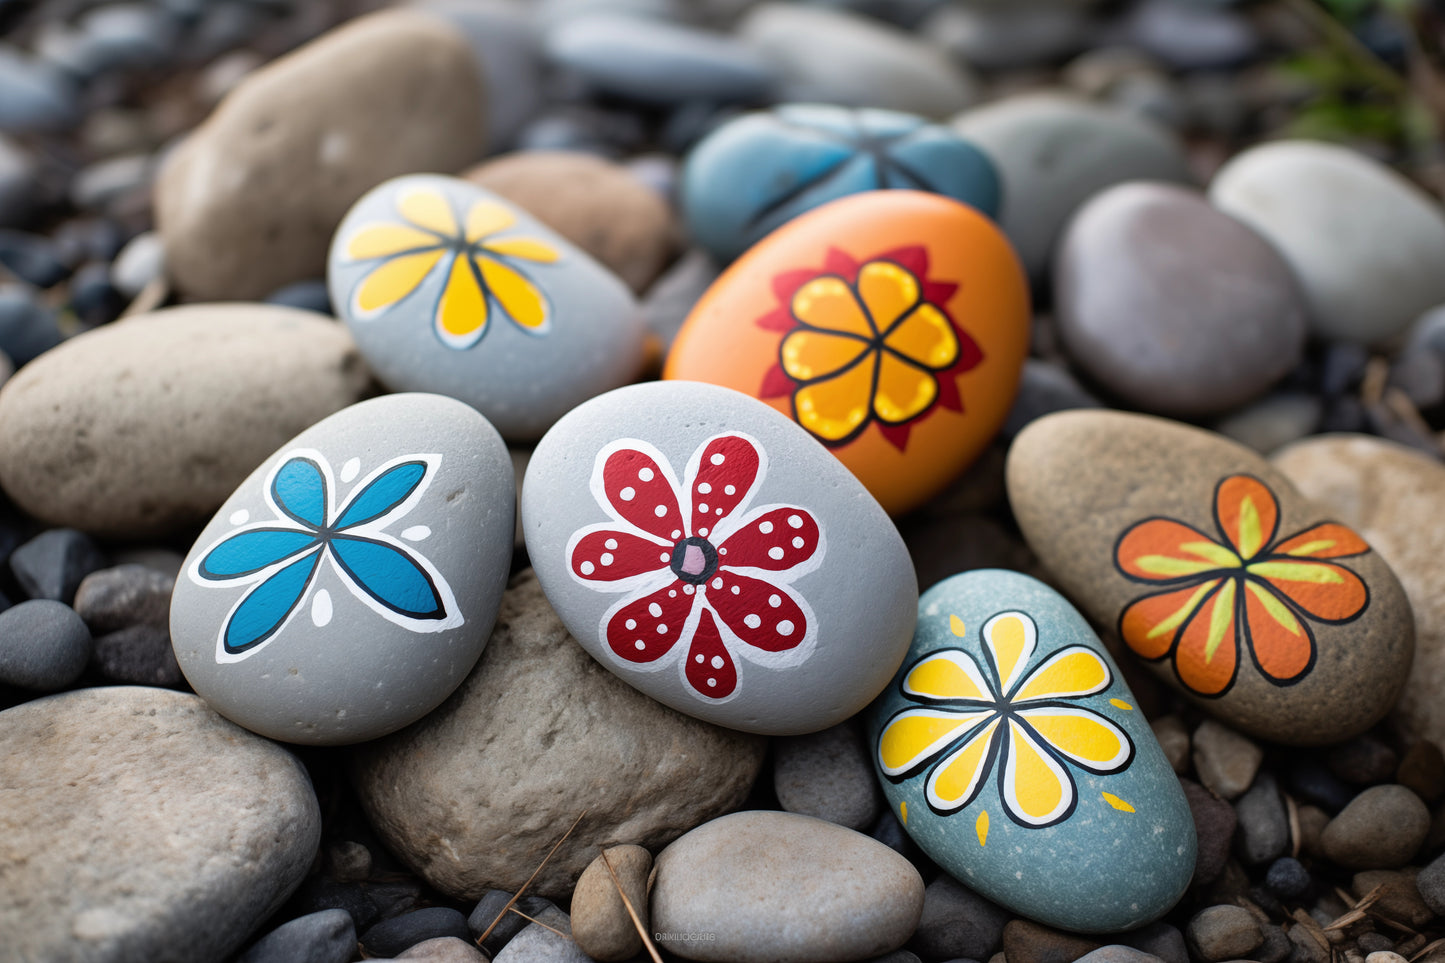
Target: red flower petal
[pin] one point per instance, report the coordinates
(786, 285)
(913, 259)
(726, 475)
(710, 668)
(939, 292)
(970, 355)
(776, 540)
(778, 319)
(761, 614)
(839, 263)
(776, 383)
(645, 629)
(608, 556)
(897, 435)
(638, 490)
(948, 395)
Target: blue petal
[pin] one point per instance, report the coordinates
(251, 551)
(265, 608)
(300, 490)
(385, 492)
(390, 576)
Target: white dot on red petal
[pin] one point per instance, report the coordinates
(606, 558)
(730, 490)
(722, 551)
(702, 532)
(717, 458)
(775, 600)
(752, 621)
(775, 553)
(672, 593)
(587, 568)
(717, 662)
(785, 627)
(631, 624)
(661, 629)
(795, 520)
(704, 488)
(702, 507)
(688, 589)
(627, 494)
(677, 533)
(654, 610)
(765, 527)
(660, 511)
(665, 557)
(717, 583)
(640, 644)
(798, 541)
(610, 545)
(718, 512)
(698, 657)
(712, 682)
(645, 474)
(736, 590)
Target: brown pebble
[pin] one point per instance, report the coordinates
(1025, 941)
(1422, 770)
(1381, 828)
(1399, 899)
(1225, 761)
(1174, 740)
(600, 922)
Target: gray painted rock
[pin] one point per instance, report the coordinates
(758, 886)
(1015, 755)
(1244, 595)
(349, 584)
(536, 734)
(1394, 497)
(145, 426)
(1176, 308)
(140, 825)
(1054, 152)
(248, 202)
(709, 552)
(835, 57)
(449, 288)
(1325, 208)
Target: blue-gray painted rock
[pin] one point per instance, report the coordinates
(1013, 751)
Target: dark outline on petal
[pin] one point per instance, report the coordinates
(281, 503)
(1264, 544)
(341, 524)
(210, 576)
(989, 763)
(1300, 616)
(280, 622)
(1183, 626)
(926, 761)
(1063, 765)
(1067, 760)
(435, 614)
(1174, 640)
(1178, 580)
(932, 701)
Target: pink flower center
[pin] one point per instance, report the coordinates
(694, 562)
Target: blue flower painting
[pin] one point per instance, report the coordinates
(279, 559)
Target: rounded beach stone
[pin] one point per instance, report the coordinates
(350, 583)
(758, 886)
(832, 56)
(1325, 207)
(600, 921)
(325, 937)
(400, 933)
(829, 775)
(1054, 152)
(891, 325)
(248, 202)
(755, 173)
(44, 645)
(1382, 828)
(145, 426)
(956, 923)
(1223, 933)
(124, 837)
(451, 289)
(537, 703)
(54, 563)
(592, 202)
(1176, 308)
(1246, 597)
(705, 550)
(1390, 494)
(1060, 806)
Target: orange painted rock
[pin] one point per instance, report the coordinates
(891, 325)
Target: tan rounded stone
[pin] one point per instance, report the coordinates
(593, 203)
(600, 921)
(147, 425)
(249, 201)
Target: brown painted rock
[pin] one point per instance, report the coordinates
(592, 202)
(1245, 596)
(1395, 498)
(475, 795)
(249, 201)
(145, 426)
(600, 921)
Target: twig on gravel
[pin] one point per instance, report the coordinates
(533, 919)
(518, 894)
(627, 903)
(1292, 809)
(1427, 949)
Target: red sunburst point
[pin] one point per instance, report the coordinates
(776, 383)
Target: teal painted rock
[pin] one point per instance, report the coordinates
(1011, 749)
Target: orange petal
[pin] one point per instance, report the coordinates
(1208, 652)
(809, 354)
(1328, 540)
(904, 391)
(1150, 625)
(829, 303)
(887, 291)
(1282, 644)
(1324, 590)
(1247, 513)
(925, 337)
(1163, 550)
(835, 408)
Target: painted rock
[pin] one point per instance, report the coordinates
(1238, 591)
(891, 325)
(351, 582)
(448, 288)
(759, 171)
(1012, 751)
(713, 556)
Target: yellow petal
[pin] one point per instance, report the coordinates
(518, 296)
(904, 391)
(393, 280)
(384, 240)
(487, 217)
(1036, 789)
(833, 409)
(949, 674)
(809, 354)
(828, 303)
(1117, 803)
(428, 209)
(526, 248)
(957, 780)
(980, 826)
(926, 338)
(888, 292)
(1082, 735)
(956, 626)
(914, 735)
(1010, 638)
(462, 312)
(1067, 674)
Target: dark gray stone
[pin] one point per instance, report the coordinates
(829, 775)
(33, 95)
(1214, 824)
(129, 35)
(1161, 940)
(1288, 879)
(27, 327)
(43, 645)
(393, 936)
(17, 183)
(306, 295)
(126, 595)
(52, 564)
(1362, 761)
(31, 258)
(1044, 389)
(1192, 36)
(491, 905)
(325, 937)
(139, 654)
(956, 922)
(93, 299)
(1275, 947)
(1263, 826)
(1431, 883)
